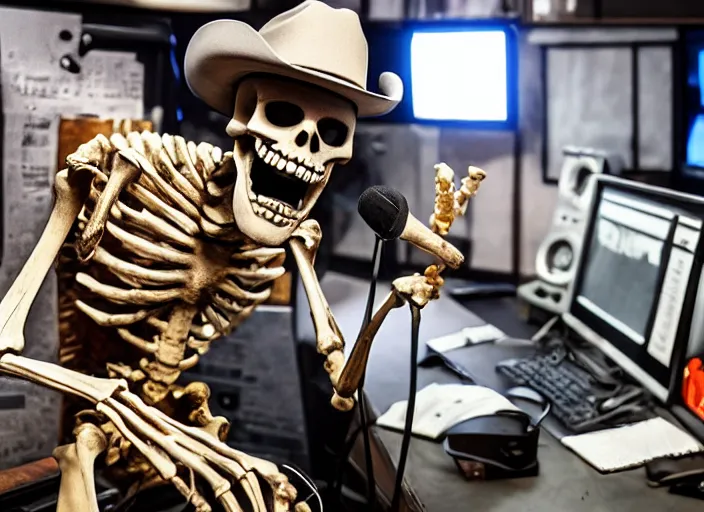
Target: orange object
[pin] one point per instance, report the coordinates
(693, 386)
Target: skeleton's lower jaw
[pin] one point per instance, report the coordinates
(263, 208)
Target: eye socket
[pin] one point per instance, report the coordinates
(283, 113)
(332, 132)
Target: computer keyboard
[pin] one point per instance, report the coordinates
(579, 400)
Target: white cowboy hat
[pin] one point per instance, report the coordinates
(312, 42)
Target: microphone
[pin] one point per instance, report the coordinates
(386, 212)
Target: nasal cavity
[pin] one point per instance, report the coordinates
(315, 143)
(301, 139)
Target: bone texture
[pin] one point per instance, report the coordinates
(146, 266)
(156, 263)
(177, 452)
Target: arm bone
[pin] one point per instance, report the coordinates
(17, 302)
(330, 342)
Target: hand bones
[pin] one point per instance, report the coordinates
(171, 447)
(451, 203)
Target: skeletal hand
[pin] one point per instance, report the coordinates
(449, 202)
(444, 212)
(420, 289)
(180, 454)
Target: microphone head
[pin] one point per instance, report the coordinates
(385, 210)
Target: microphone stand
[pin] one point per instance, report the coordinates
(410, 409)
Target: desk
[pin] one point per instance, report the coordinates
(565, 483)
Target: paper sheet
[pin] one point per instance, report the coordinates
(441, 406)
(633, 445)
(465, 337)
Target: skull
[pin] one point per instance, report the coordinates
(288, 136)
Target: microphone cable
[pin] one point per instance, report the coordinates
(361, 402)
(371, 481)
(408, 427)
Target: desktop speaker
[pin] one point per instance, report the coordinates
(556, 260)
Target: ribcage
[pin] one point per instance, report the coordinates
(168, 247)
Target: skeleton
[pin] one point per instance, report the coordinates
(175, 244)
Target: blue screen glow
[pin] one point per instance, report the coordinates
(459, 76)
(695, 143)
(701, 77)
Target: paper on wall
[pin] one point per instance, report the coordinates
(36, 92)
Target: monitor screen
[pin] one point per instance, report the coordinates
(471, 88)
(460, 73)
(636, 273)
(694, 102)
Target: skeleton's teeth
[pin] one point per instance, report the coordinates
(290, 167)
(262, 151)
(257, 144)
(281, 164)
(269, 156)
(276, 159)
(278, 219)
(300, 171)
(268, 214)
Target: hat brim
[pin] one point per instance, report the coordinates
(222, 52)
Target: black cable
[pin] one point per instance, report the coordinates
(336, 486)
(406, 442)
(371, 481)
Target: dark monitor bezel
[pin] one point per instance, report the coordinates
(667, 377)
(686, 177)
(396, 57)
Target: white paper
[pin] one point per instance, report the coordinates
(483, 333)
(667, 318)
(441, 406)
(467, 336)
(111, 84)
(633, 445)
(446, 343)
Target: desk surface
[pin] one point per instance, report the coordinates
(565, 483)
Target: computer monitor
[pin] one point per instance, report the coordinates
(689, 114)
(462, 73)
(694, 102)
(638, 279)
